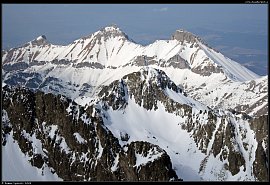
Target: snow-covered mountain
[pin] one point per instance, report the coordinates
(81, 67)
(185, 108)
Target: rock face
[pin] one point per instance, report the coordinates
(41, 40)
(261, 162)
(111, 31)
(182, 35)
(225, 137)
(146, 172)
(75, 142)
(207, 70)
(177, 62)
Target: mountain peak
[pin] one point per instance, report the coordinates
(152, 75)
(112, 27)
(183, 35)
(111, 31)
(41, 37)
(40, 40)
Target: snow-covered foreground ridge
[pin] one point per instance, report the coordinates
(203, 144)
(82, 67)
(134, 126)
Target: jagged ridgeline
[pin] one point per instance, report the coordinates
(105, 108)
(81, 67)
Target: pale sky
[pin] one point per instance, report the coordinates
(144, 23)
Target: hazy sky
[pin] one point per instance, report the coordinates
(144, 23)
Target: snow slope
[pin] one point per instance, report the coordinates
(16, 167)
(233, 69)
(166, 130)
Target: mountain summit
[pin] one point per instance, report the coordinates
(111, 31)
(40, 40)
(182, 35)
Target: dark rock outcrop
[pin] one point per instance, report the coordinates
(56, 121)
(148, 86)
(260, 126)
(182, 35)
